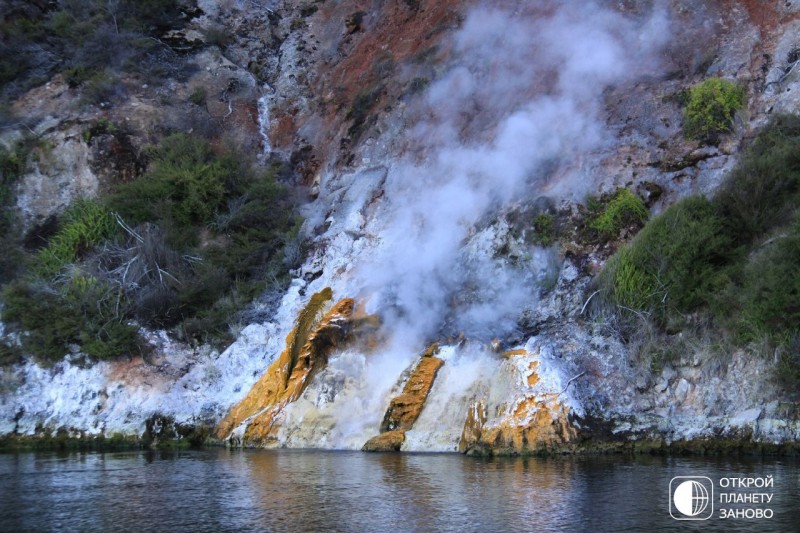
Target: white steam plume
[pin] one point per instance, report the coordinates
(523, 96)
(525, 92)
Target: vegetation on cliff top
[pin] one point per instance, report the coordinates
(89, 41)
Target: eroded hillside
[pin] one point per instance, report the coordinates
(464, 172)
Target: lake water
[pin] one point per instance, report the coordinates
(234, 490)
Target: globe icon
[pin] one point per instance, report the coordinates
(691, 498)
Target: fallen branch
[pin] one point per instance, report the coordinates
(570, 382)
(589, 300)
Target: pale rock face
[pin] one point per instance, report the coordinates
(60, 173)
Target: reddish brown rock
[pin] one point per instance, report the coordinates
(405, 409)
(307, 348)
(389, 441)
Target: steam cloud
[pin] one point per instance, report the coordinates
(524, 95)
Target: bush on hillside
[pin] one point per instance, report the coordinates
(763, 191)
(711, 108)
(673, 265)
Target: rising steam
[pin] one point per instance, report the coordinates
(524, 95)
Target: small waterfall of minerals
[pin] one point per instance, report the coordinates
(263, 124)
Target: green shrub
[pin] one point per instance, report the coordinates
(100, 86)
(360, 112)
(80, 311)
(205, 235)
(418, 85)
(12, 165)
(673, 265)
(198, 96)
(622, 210)
(217, 36)
(731, 262)
(770, 295)
(188, 183)
(248, 220)
(712, 106)
(14, 160)
(77, 75)
(85, 224)
(764, 189)
(100, 126)
(788, 367)
(544, 226)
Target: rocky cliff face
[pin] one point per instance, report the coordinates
(426, 131)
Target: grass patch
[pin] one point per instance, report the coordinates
(673, 265)
(85, 224)
(610, 214)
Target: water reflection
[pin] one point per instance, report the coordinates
(222, 490)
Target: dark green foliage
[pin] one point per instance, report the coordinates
(248, 221)
(58, 305)
(360, 111)
(788, 370)
(217, 36)
(186, 246)
(82, 38)
(78, 311)
(770, 296)
(764, 189)
(99, 127)
(544, 226)
(101, 86)
(187, 184)
(9, 354)
(13, 160)
(673, 265)
(307, 10)
(78, 75)
(12, 165)
(198, 96)
(711, 108)
(418, 85)
(733, 261)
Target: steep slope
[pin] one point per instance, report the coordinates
(433, 136)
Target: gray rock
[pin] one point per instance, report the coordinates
(681, 390)
(746, 417)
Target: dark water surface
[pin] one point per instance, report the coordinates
(222, 490)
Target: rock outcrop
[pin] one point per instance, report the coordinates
(405, 408)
